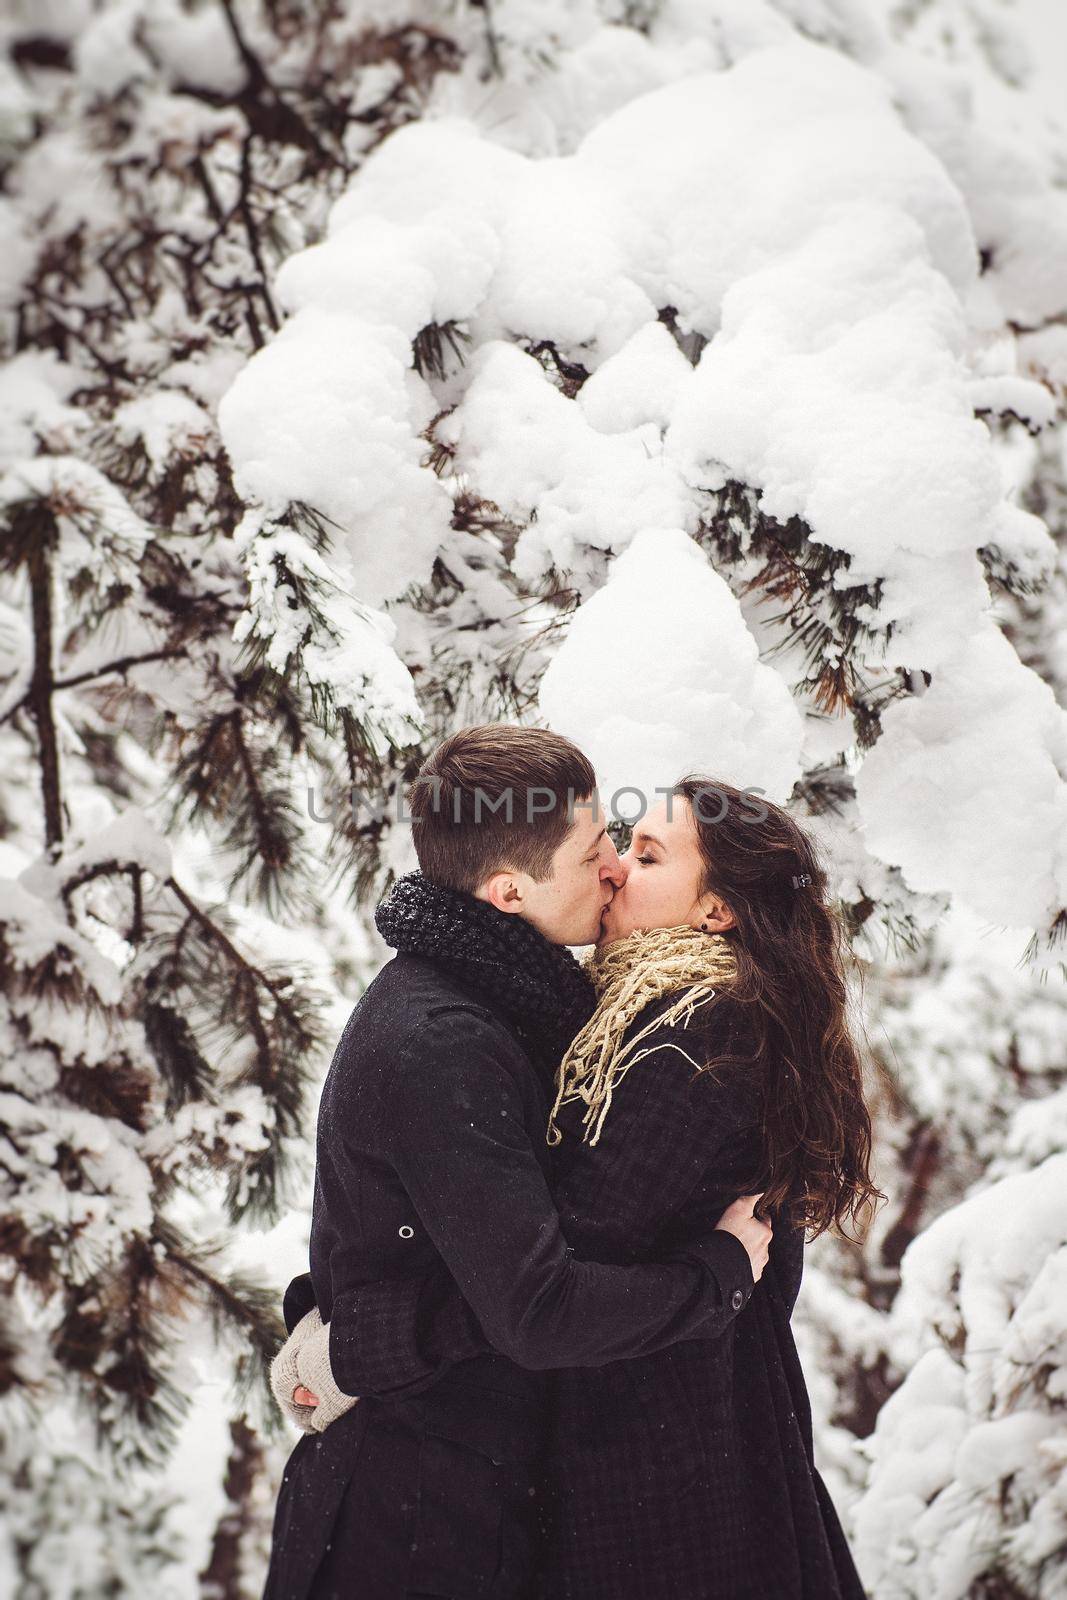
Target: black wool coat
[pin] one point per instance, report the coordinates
(685, 1473)
(438, 1259)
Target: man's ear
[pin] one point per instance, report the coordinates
(504, 891)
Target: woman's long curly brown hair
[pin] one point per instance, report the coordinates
(792, 953)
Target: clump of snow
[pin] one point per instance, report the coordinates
(59, 179)
(327, 414)
(16, 106)
(345, 649)
(207, 374)
(100, 534)
(196, 46)
(34, 933)
(658, 675)
(967, 1456)
(166, 423)
(16, 656)
(129, 839)
(89, 1226)
(107, 54)
(35, 387)
(1038, 1129)
(967, 786)
(393, 275)
(1004, 160)
(637, 385)
(835, 385)
(227, 1133)
(529, 449)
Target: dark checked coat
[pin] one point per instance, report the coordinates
(682, 1473)
(438, 1259)
(688, 1473)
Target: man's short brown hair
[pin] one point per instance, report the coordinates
(493, 797)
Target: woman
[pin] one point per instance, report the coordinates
(718, 1062)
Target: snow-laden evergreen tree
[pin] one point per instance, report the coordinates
(166, 990)
(688, 376)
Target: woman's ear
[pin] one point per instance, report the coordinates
(715, 918)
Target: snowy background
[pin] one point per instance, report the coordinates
(687, 375)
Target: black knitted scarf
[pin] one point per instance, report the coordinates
(539, 986)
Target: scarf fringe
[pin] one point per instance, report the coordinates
(629, 976)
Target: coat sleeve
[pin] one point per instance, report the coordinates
(298, 1301)
(456, 1134)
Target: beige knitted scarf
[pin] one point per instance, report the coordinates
(629, 975)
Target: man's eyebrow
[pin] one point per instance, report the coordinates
(596, 841)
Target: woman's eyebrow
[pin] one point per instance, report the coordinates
(649, 838)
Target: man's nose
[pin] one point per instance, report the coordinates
(614, 869)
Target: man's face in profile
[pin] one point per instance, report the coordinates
(586, 871)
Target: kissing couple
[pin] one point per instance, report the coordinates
(543, 1351)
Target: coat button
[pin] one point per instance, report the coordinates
(737, 1299)
(407, 1231)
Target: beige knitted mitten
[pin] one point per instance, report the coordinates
(284, 1376)
(315, 1373)
(305, 1358)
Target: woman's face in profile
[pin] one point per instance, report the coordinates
(664, 869)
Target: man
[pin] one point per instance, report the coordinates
(431, 1172)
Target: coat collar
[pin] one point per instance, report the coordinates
(539, 987)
